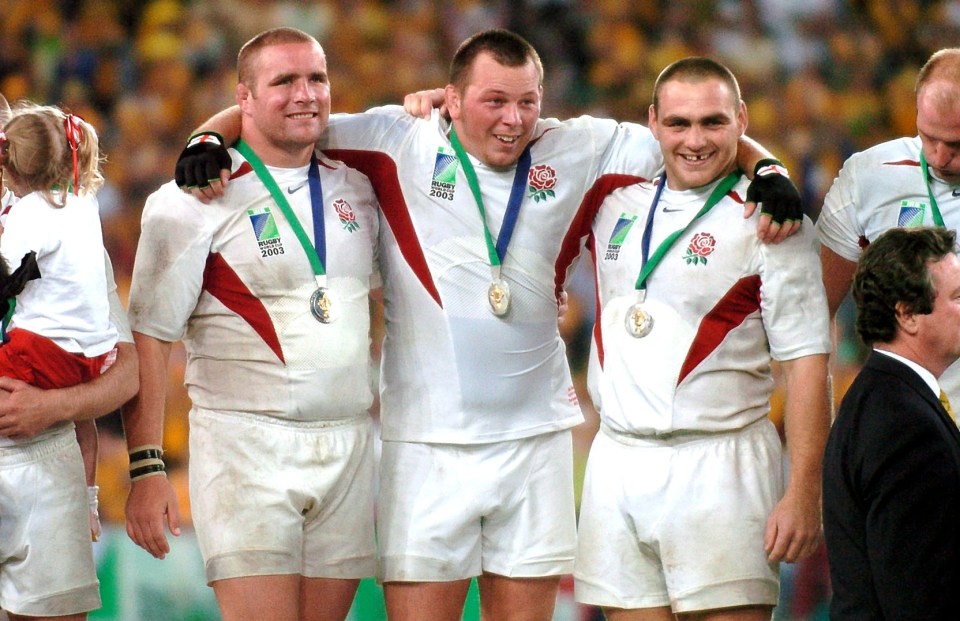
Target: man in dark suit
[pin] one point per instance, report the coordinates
(891, 472)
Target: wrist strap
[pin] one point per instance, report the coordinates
(147, 471)
(770, 166)
(205, 137)
(146, 461)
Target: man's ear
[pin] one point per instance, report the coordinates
(452, 98)
(906, 320)
(243, 95)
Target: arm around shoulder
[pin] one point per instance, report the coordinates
(26, 410)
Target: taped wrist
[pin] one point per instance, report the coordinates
(205, 138)
(146, 461)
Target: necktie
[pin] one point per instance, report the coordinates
(946, 405)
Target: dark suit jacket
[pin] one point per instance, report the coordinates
(891, 499)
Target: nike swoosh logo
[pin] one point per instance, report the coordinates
(956, 192)
(668, 210)
(294, 188)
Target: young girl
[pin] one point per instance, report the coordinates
(56, 331)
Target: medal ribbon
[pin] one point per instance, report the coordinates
(497, 252)
(648, 266)
(934, 209)
(316, 254)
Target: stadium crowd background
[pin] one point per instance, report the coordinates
(822, 79)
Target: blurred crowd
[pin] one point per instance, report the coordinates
(822, 79)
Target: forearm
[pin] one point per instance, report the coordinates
(143, 415)
(806, 422)
(102, 395)
(226, 123)
(152, 501)
(749, 152)
(89, 448)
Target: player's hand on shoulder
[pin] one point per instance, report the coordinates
(422, 103)
(781, 209)
(203, 168)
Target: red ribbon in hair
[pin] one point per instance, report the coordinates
(72, 126)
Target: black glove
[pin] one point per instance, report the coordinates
(201, 160)
(772, 189)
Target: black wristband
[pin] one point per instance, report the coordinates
(150, 453)
(145, 471)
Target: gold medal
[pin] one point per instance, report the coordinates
(499, 297)
(638, 322)
(321, 305)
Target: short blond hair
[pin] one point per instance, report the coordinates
(246, 58)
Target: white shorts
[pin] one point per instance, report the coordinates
(679, 522)
(46, 557)
(448, 512)
(273, 497)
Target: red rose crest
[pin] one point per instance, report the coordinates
(347, 218)
(542, 180)
(701, 246)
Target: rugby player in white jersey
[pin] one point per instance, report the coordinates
(268, 289)
(684, 513)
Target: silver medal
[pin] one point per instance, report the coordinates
(321, 305)
(638, 322)
(499, 297)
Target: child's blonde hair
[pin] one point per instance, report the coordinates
(38, 153)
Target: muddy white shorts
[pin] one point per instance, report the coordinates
(679, 522)
(448, 512)
(272, 497)
(46, 556)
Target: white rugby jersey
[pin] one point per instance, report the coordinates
(231, 279)
(452, 371)
(69, 303)
(723, 305)
(879, 189)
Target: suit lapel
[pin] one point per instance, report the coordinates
(885, 364)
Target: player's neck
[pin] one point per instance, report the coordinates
(278, 156)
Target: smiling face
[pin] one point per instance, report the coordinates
(285, 102)
(698, 122)
(496, 110)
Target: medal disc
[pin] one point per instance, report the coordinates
(638, 322)
(321, 305)
(499, 297)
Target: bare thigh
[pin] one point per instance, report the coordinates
(517, 599)
(425, 601)
(326, 599)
